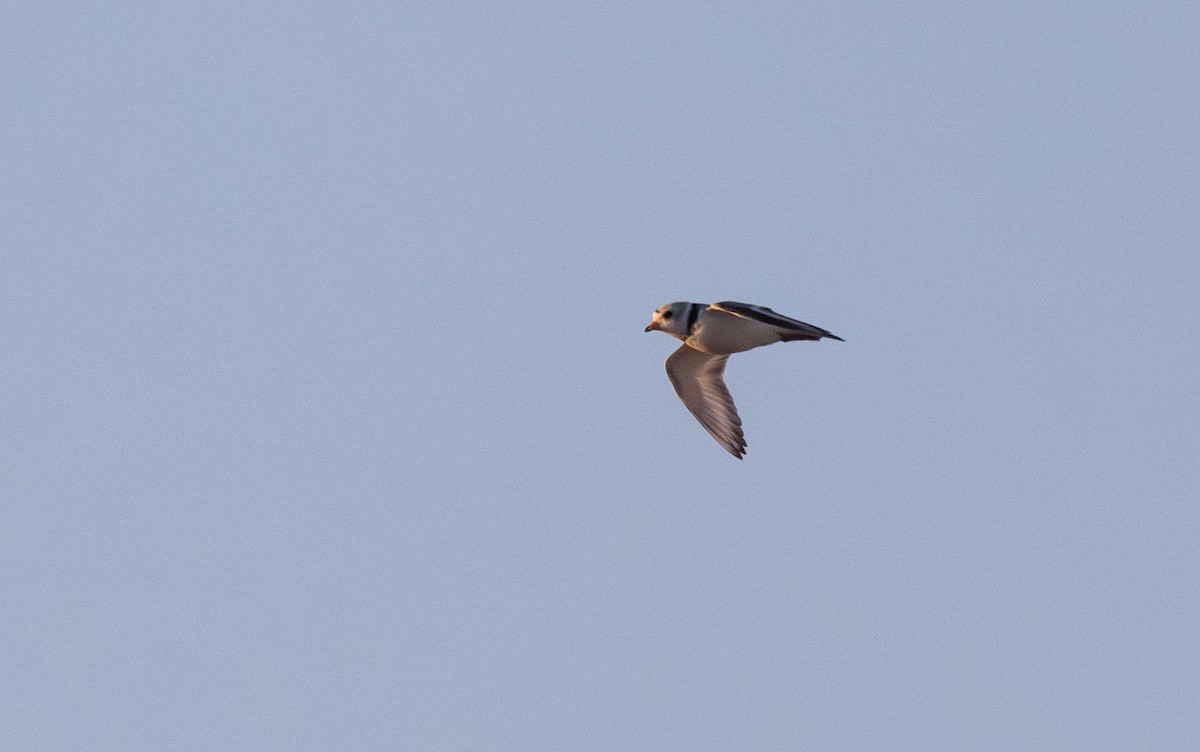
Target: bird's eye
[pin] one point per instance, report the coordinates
(667, 314)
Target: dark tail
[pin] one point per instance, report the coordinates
(816, 333)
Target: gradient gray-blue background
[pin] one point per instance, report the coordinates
(330, 422)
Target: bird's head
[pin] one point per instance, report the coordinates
(672, 319)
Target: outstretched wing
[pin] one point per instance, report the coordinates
(698, 378)
(788, 328)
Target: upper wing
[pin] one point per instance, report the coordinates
(789, 329)
(697, 378)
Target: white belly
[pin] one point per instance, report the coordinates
(721, 333)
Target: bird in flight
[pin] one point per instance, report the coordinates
(710, 334)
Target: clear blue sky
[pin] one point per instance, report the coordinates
(330, 422)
